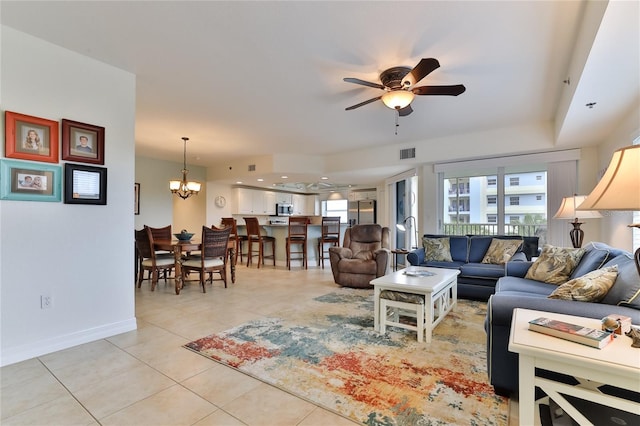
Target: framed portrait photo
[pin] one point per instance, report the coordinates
(85, 184)
(26, 181)
(82, 142)
(30, 138)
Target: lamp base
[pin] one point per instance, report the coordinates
(576, 234)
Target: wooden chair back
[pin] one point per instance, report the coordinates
(163, 233)
(298, 227)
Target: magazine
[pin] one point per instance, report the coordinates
(418, 273)
(575, 333)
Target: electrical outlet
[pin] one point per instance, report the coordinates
(45, 301)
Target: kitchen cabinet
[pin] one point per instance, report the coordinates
(255, 202)
(304, 205)
(283, 198)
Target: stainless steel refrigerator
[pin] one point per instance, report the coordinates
(361, 212)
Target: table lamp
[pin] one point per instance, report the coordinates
(568, 210)
(619, 188)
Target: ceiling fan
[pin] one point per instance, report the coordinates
(398, 82)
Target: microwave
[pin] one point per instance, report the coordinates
(284, 209)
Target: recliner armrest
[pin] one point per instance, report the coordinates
(341, 252)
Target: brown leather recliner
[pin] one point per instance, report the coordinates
(364, 256)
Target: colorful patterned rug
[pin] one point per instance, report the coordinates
(327, 352)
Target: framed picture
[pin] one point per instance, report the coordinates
(30, 138)
(136, 199)
(85, 184)
(26, 181)
(82, 142)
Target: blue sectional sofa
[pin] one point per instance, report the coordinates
(477, 280)
(515, 291)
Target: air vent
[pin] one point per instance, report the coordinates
(407, 153)
(252, 167)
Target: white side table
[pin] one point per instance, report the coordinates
(617, 364)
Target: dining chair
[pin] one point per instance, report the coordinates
(212, 256)
(150, 260)
(237, 239)
(330, 235)
(297, 236)
(254, 235)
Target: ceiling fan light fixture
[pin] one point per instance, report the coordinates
(398, 99)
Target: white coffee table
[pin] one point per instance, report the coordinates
(440, 292)
(617, 364)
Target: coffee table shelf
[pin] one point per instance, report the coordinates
(440, 292)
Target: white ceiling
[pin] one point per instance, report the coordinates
(249, 79)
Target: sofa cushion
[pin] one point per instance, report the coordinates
(516, 284)
(437, 249)
(594, 257)
(591, 287)
(555, 264)
(626, 289)
(478, 246)
(440, 264)
(500, 251)
(484, 270)
(458, 244)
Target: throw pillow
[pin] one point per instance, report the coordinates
(437, 249)
(591, 287)
(555, 264)
(500, 251)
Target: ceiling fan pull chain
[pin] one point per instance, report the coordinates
(397, 124)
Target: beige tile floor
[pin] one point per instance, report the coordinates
(145, 377)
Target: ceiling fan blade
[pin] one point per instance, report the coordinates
(363, 103)
(425, 67)
(364, 83)
(403, 112)
(453, 90)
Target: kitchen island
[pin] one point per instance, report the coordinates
(280, 232)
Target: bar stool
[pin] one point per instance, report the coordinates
(237, 239)
(330, 235)
(297, 235)
(254, 236)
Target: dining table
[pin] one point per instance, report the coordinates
(177, 247)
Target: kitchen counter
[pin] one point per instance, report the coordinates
(280, 232)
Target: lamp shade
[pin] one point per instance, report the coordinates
(568, 209)
(397, 99)
(619, 188)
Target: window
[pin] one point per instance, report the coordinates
(485, 203)
(336, 208)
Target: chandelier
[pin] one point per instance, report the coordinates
(184, 188)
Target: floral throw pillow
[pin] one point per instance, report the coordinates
(437, 249)
(555, 264)
(591, 287)
(500, 251)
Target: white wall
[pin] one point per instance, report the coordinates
(158, 206)
(614, 226)
(81, 255)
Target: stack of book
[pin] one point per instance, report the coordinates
(575, 333)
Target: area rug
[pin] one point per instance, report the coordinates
(327, 352)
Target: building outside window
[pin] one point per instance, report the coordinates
(495, 203)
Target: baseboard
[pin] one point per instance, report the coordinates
(43, 347)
